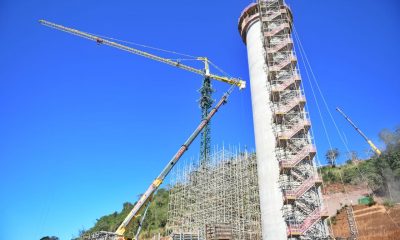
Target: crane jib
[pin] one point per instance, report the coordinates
(233, 81)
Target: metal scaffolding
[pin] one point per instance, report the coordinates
(217, 199)
(303, 206)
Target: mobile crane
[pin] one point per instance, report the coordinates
(144, 199)
(206, 90)
(371, 144)
(203, 127)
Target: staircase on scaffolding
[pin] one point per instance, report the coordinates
(301, 186)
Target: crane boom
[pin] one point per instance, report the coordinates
(233, 81)
(371, 144)
(158, 181)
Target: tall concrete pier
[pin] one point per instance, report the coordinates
(289, 186)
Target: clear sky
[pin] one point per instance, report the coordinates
(85, 128)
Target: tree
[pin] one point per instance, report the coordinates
(352, 157)
(331, 155)
(49, 238)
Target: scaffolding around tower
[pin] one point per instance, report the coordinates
(217, 199)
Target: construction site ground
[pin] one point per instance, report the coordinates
(375, 222)
(337, 195)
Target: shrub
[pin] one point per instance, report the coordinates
(388, 203)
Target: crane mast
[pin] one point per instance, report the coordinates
(371, 144)
(205, 102)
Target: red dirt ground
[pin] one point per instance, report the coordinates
(373, 223)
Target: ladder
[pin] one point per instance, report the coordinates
(352, 223)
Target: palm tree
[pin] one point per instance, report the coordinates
(331, 155)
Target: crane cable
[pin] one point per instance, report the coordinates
(308, 67)
(142, 221)
(322, 121)
(302, 52)
(189, 57)
(219, 69)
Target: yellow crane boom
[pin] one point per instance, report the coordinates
(206, 73)
(370, 143)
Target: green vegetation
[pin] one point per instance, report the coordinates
(332, 220)
(155, 221)
(382, 173)
(389, 203)
(354, 173)
(49, 238)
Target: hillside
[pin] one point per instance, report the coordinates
(379, 174)
(155, 221)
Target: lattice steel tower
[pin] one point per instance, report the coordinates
(205, 103)
(289, 185)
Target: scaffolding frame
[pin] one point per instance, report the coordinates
(217, 199)
(303, 209)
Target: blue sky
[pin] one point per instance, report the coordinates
(85, 127)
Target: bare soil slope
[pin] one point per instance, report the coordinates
(373, 223)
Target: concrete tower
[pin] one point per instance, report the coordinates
(289, 186)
